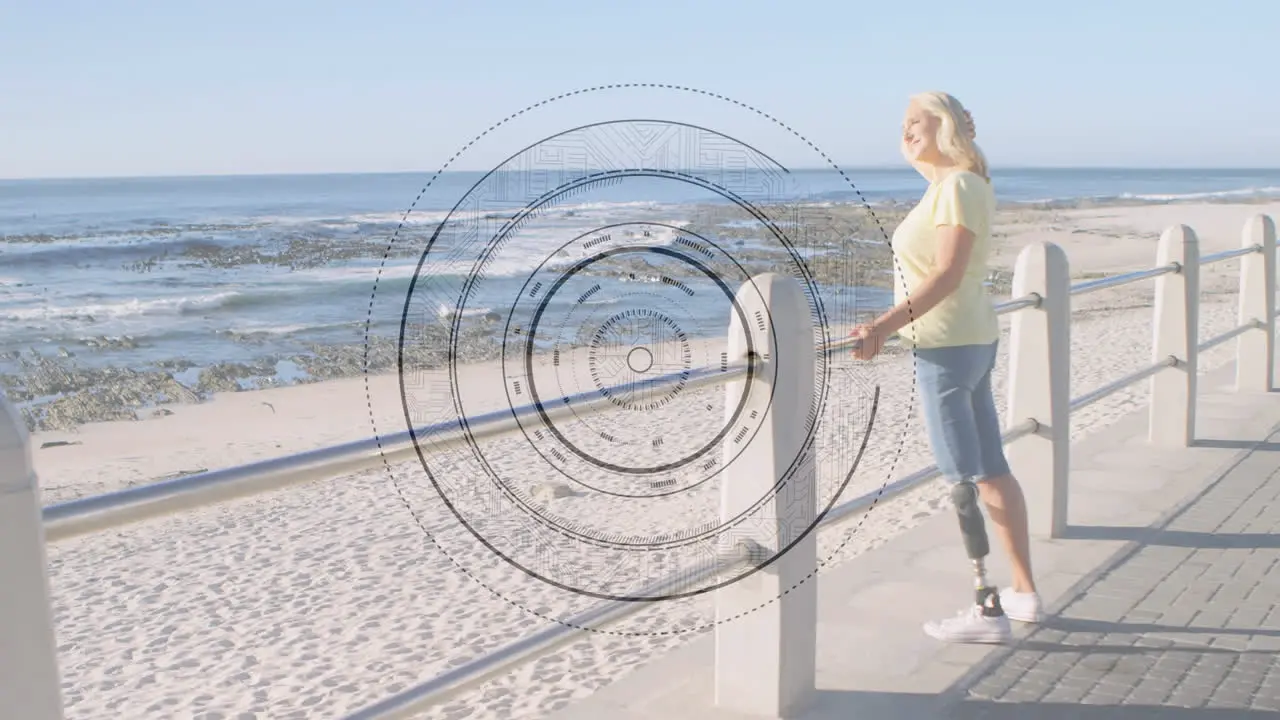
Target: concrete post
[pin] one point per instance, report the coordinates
(1255, 350)
(766, 631)
(1040, 386)
(29, 683)
(1176, 333)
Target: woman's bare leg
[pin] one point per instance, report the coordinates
(1008, 510)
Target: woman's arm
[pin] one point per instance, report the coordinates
(955, 244)
(958, 204)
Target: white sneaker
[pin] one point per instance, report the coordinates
(1023, 607)
(971, 626)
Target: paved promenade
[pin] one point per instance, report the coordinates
(1163, 600)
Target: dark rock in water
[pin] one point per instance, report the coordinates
(84, 395)
(58, 443)
(102, 342)
(221, 378)
(227, 377)
(426, 347)
(175, 364)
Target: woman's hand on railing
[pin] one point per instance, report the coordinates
(872, 342)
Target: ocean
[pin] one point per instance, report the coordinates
(169, 277)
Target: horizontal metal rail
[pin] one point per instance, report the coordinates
(1127, 278)
(841, 512)
(1123, 279)
(1228, 254)
(464, 677)
(1030, 300)
(87, 515)
(1111, 388)
(1234, 332)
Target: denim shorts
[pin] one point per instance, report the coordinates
(960, 411)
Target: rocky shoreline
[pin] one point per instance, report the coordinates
(58, 393)
(55, 391)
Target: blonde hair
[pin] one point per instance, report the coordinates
(956, 135)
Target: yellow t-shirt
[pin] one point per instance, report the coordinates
(967, 316)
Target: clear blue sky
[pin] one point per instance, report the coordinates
(275, 86)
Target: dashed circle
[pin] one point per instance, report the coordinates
(634, 360)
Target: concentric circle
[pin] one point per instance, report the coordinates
(610, 357)
(649, 325)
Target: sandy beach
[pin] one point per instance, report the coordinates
(319, 600)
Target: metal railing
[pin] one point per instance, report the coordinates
(114, 509)
(1041, 268)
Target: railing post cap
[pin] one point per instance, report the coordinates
(1179, 233)
(1047, 248)
(1268, 225)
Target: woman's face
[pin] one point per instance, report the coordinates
(920, 135)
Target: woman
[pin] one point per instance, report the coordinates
(943, 312)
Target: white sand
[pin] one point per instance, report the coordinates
(319, 600)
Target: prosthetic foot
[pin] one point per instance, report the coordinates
(984, 621)
(974, 531)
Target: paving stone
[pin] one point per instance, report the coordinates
(1264, 644)
(1167, 673)
(1215, 619)
(1178, 615)
(1189, 697)
(1269, 702)
(1135, 665)
(1156, 685)
(1273, 618)
(1154, 642)
(1238, 643)
(1239, 686)
(1254, 661)
(1226, 698)
(1064, 694)
(1026, 692)
(1119, 685)
(1146, 697)
(1058, 662)
(1247, 617)
(1023, 659)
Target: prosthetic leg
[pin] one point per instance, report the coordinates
(974, 531)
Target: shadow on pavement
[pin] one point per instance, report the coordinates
(1235, 445)
(1174, 538)
(831, 705)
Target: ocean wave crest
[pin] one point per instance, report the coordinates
(136, 307)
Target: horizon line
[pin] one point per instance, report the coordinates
(333, 173)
